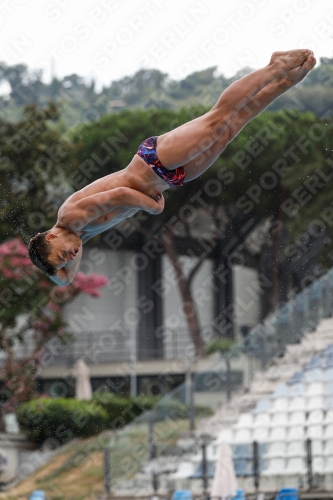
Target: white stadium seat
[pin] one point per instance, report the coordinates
(318, 464)
(262, 420)
(315, 432)
(297, 418)
(297, 404)
(315, 403)
(276, 467)
(279, 420)
(278, 434)
(328, 434)
(276, 450)
(328, 469)
(296, 433)
(242, 436)
(295, 465)
(314, 389)
(316, 375)
(317, 447)
(261, 434)
(296, 449)
(245, 420)
(329, 417)
(315, 417)
(185, 469)
(280, 404)
(328, 448)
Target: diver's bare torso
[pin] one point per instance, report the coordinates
(137, 175)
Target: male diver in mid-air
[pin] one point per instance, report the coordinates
(161, 162)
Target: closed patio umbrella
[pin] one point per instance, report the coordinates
(225, 482)
(83, 385)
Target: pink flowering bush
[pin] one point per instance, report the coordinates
(26, 293)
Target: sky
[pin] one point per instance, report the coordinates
(108, 39)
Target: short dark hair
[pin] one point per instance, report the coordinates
(39, 250)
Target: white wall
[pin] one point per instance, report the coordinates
(115, 308)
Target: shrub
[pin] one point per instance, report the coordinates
(221, 345)
(61, 419)
(122, 410)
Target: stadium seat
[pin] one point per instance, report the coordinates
(276, 467)
(182, 495)
(287, 494)
(318, 464)
(317, 447)
(280, 404)
(185, 470)
(262, 420)
(262, 406)
(297, 418)
(245, 421)
(260, 434)
(297, 378)
(296, 449)
(276, 449)
(242, 436)
(278, 434)
(329, 403)
(198, 471)
(240, 495)
(242, 451)
(296, 433)
(328, 448)
(315, 417)
(225, 436)
(296, 390)
(328, 434)
(328, 374)
(314, 389)
(329, 417)
(243, 468)
(329, 388)
(316, 375)
(279, 420)
(329, 362)
(315, 403)
(295, 465)
(328, 469)
(281, 391)
(314, 432)
(297, 404)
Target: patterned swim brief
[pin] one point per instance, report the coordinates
(147, 151)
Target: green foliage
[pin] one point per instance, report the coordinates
(61, 419)
(219, 345)
(122, 410)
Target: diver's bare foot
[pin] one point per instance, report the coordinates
(287, 61)
(296, 75)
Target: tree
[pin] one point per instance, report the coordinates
(31, 315)
(272, 158)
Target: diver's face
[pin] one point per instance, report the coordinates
(64, 248)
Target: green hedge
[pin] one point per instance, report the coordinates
(122, 410)
(61, 419)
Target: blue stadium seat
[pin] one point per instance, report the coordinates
(287, 494)
(329, 388)
(262, 406)
(243, 467)
(182, 495)
(37, 495)
(297, 378)
(242, 451)
(198, 472)
(314, 363)
(281, 391)
(240, 495)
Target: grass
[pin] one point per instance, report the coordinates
(77, 473)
